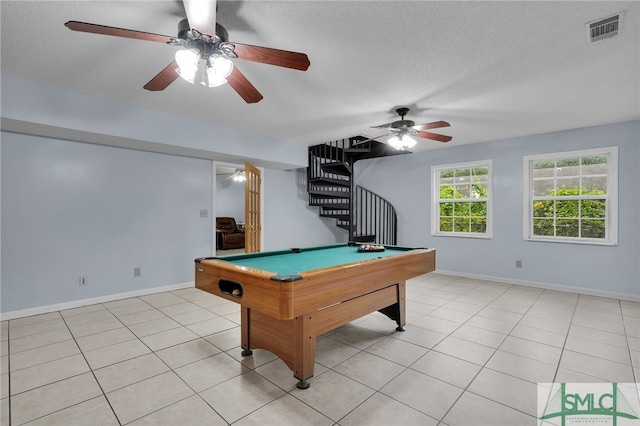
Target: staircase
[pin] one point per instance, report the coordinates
(366, 216)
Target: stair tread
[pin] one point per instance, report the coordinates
(325, 181)
(356, 150)
(331, 194)
(329, 206)
(335, 215)
(337, 167)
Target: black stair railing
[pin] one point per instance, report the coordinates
(331, 188)
(374, 216)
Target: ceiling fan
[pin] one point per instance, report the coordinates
(202, 39)
(402, 130)
(237, 176)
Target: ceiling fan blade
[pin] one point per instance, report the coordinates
(201, 15)
(267, 55)
(163, 79)
(433, 125)
(434, 136)
(243, 87)
(368, 140)
(383, 126)
(118, 32)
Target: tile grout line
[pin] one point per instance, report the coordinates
(93, 374)
(466, 389)
(376, 391)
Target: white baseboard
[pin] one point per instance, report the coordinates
(557, 287)
(94, 300)
(109, 298)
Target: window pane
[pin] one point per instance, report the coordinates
(543, 187)
(568, 171)
(461, 209)
(594, 169)
(461, 225)
(544, 169)
(479, 190)
(478, 225)
(543, 209)
(462, 191)
(446, 174)
(446, 209)
(593, 209)
(567, 208)
(543, 227)
(566, 162)
(600, 159)
(478, 208)
(544, 164)
(567, 186)
(462, 176)
(594, 185)
(568, 228)
(446, 224)
(480, 172)
(446, 192)
(593, 229)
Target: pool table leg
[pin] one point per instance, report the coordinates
(397, 311)
(293, 341)
(244, 338)
(304, 348)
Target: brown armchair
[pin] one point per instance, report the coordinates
(228, 234)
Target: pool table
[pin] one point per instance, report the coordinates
(288, 298)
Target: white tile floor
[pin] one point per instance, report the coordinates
(471, 354)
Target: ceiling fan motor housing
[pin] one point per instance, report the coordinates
(183, 29)
(402, 111)
(402, 123)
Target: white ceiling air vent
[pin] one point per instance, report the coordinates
(604, 28)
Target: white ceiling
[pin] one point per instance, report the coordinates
(494, 70)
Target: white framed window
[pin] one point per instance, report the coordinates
(572, 197)
(461, 199)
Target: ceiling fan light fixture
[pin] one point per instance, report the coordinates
(187, 60)
(238, 176)
(402, 142)
(218, 69)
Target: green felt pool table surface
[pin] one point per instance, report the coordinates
(291, 262)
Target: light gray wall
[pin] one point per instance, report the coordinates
(406, 182)
(72, 209)
(32, 107)
(119, 190)
(289, 221)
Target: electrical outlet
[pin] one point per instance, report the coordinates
(84, 280)
(204, 213)
(137, 271)
(518, 263)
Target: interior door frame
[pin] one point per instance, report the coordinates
(253, 207)
(214, 199)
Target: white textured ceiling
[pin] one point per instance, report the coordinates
(494, 70)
